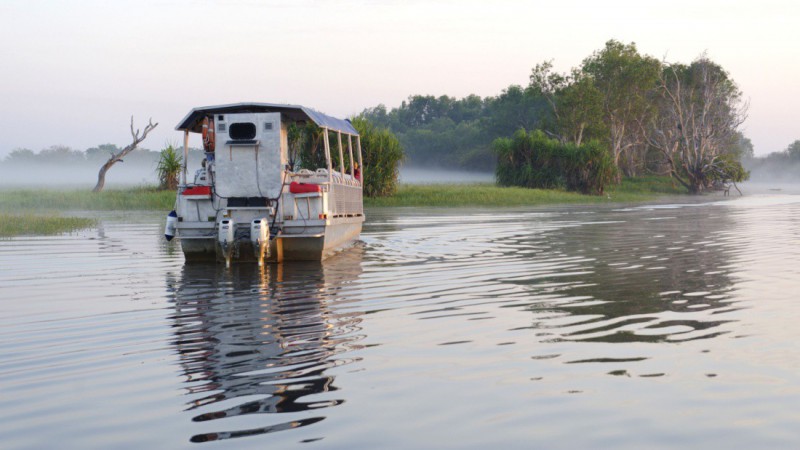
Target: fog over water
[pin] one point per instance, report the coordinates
(420, 175)
(135, 174)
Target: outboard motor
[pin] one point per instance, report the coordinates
(227, 238)
(259, 238)
(172, 223)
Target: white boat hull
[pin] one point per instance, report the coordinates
(315, 244)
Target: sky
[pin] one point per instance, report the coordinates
(74, 72)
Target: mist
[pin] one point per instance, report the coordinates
(775, 172)
(37, 174)
(34, 175)
(421, 175)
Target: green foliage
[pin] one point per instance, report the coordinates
(38, 224)
(457, 133)
(382, 154)
(533, 160)
(306, 146)
(170, 163)
(726, 168)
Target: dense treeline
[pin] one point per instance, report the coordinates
(63, 156)
(458, 133)
(650, 116)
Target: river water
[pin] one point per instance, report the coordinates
(666, 325)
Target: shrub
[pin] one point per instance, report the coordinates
(382, 154)
(170, 163)
(533, 160)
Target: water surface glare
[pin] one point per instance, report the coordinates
(666, 325)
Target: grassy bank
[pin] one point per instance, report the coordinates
(147, 198)
(452, 195)
(140, 198)
(39, 224)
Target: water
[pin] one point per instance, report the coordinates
(667, 325)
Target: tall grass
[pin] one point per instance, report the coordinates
(631, 190)
(141, 198)
(37, 224)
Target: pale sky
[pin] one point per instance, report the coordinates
(73, 72)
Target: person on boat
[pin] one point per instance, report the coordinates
(356, 171)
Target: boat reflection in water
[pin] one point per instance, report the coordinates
(263, 340)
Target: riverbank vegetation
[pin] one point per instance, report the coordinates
(487, 195)
(39, 201)
(12, 224)
(651, 116)
(139, 198)
(533, 160)
(381, 153)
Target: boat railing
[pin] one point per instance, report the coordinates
(345, 200)
(345, 197)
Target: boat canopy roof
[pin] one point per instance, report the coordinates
(194, 120)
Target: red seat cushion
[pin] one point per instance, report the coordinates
(197, 190)
(303, 188)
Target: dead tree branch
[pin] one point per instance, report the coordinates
(115, 158)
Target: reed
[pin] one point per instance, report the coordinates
(39, 224)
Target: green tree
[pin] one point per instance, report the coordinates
(576, 105)
(625, 79)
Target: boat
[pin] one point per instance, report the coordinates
(251, 201)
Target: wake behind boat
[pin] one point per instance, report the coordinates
(247, 202)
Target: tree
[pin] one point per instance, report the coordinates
(101, 152)
(793, 151)
(117, 157)
(21, 155)
(625, 79)
(700, 111)
(575, 104)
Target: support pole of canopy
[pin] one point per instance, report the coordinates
(350, 151)
(341, 154)
(360, 161)
(327, 143)
(185, 153)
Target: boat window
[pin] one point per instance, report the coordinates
(242, 131)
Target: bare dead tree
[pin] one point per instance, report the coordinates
(700, 110)
(117, 157)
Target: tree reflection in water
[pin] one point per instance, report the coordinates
(262, 340)
(636, 276)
